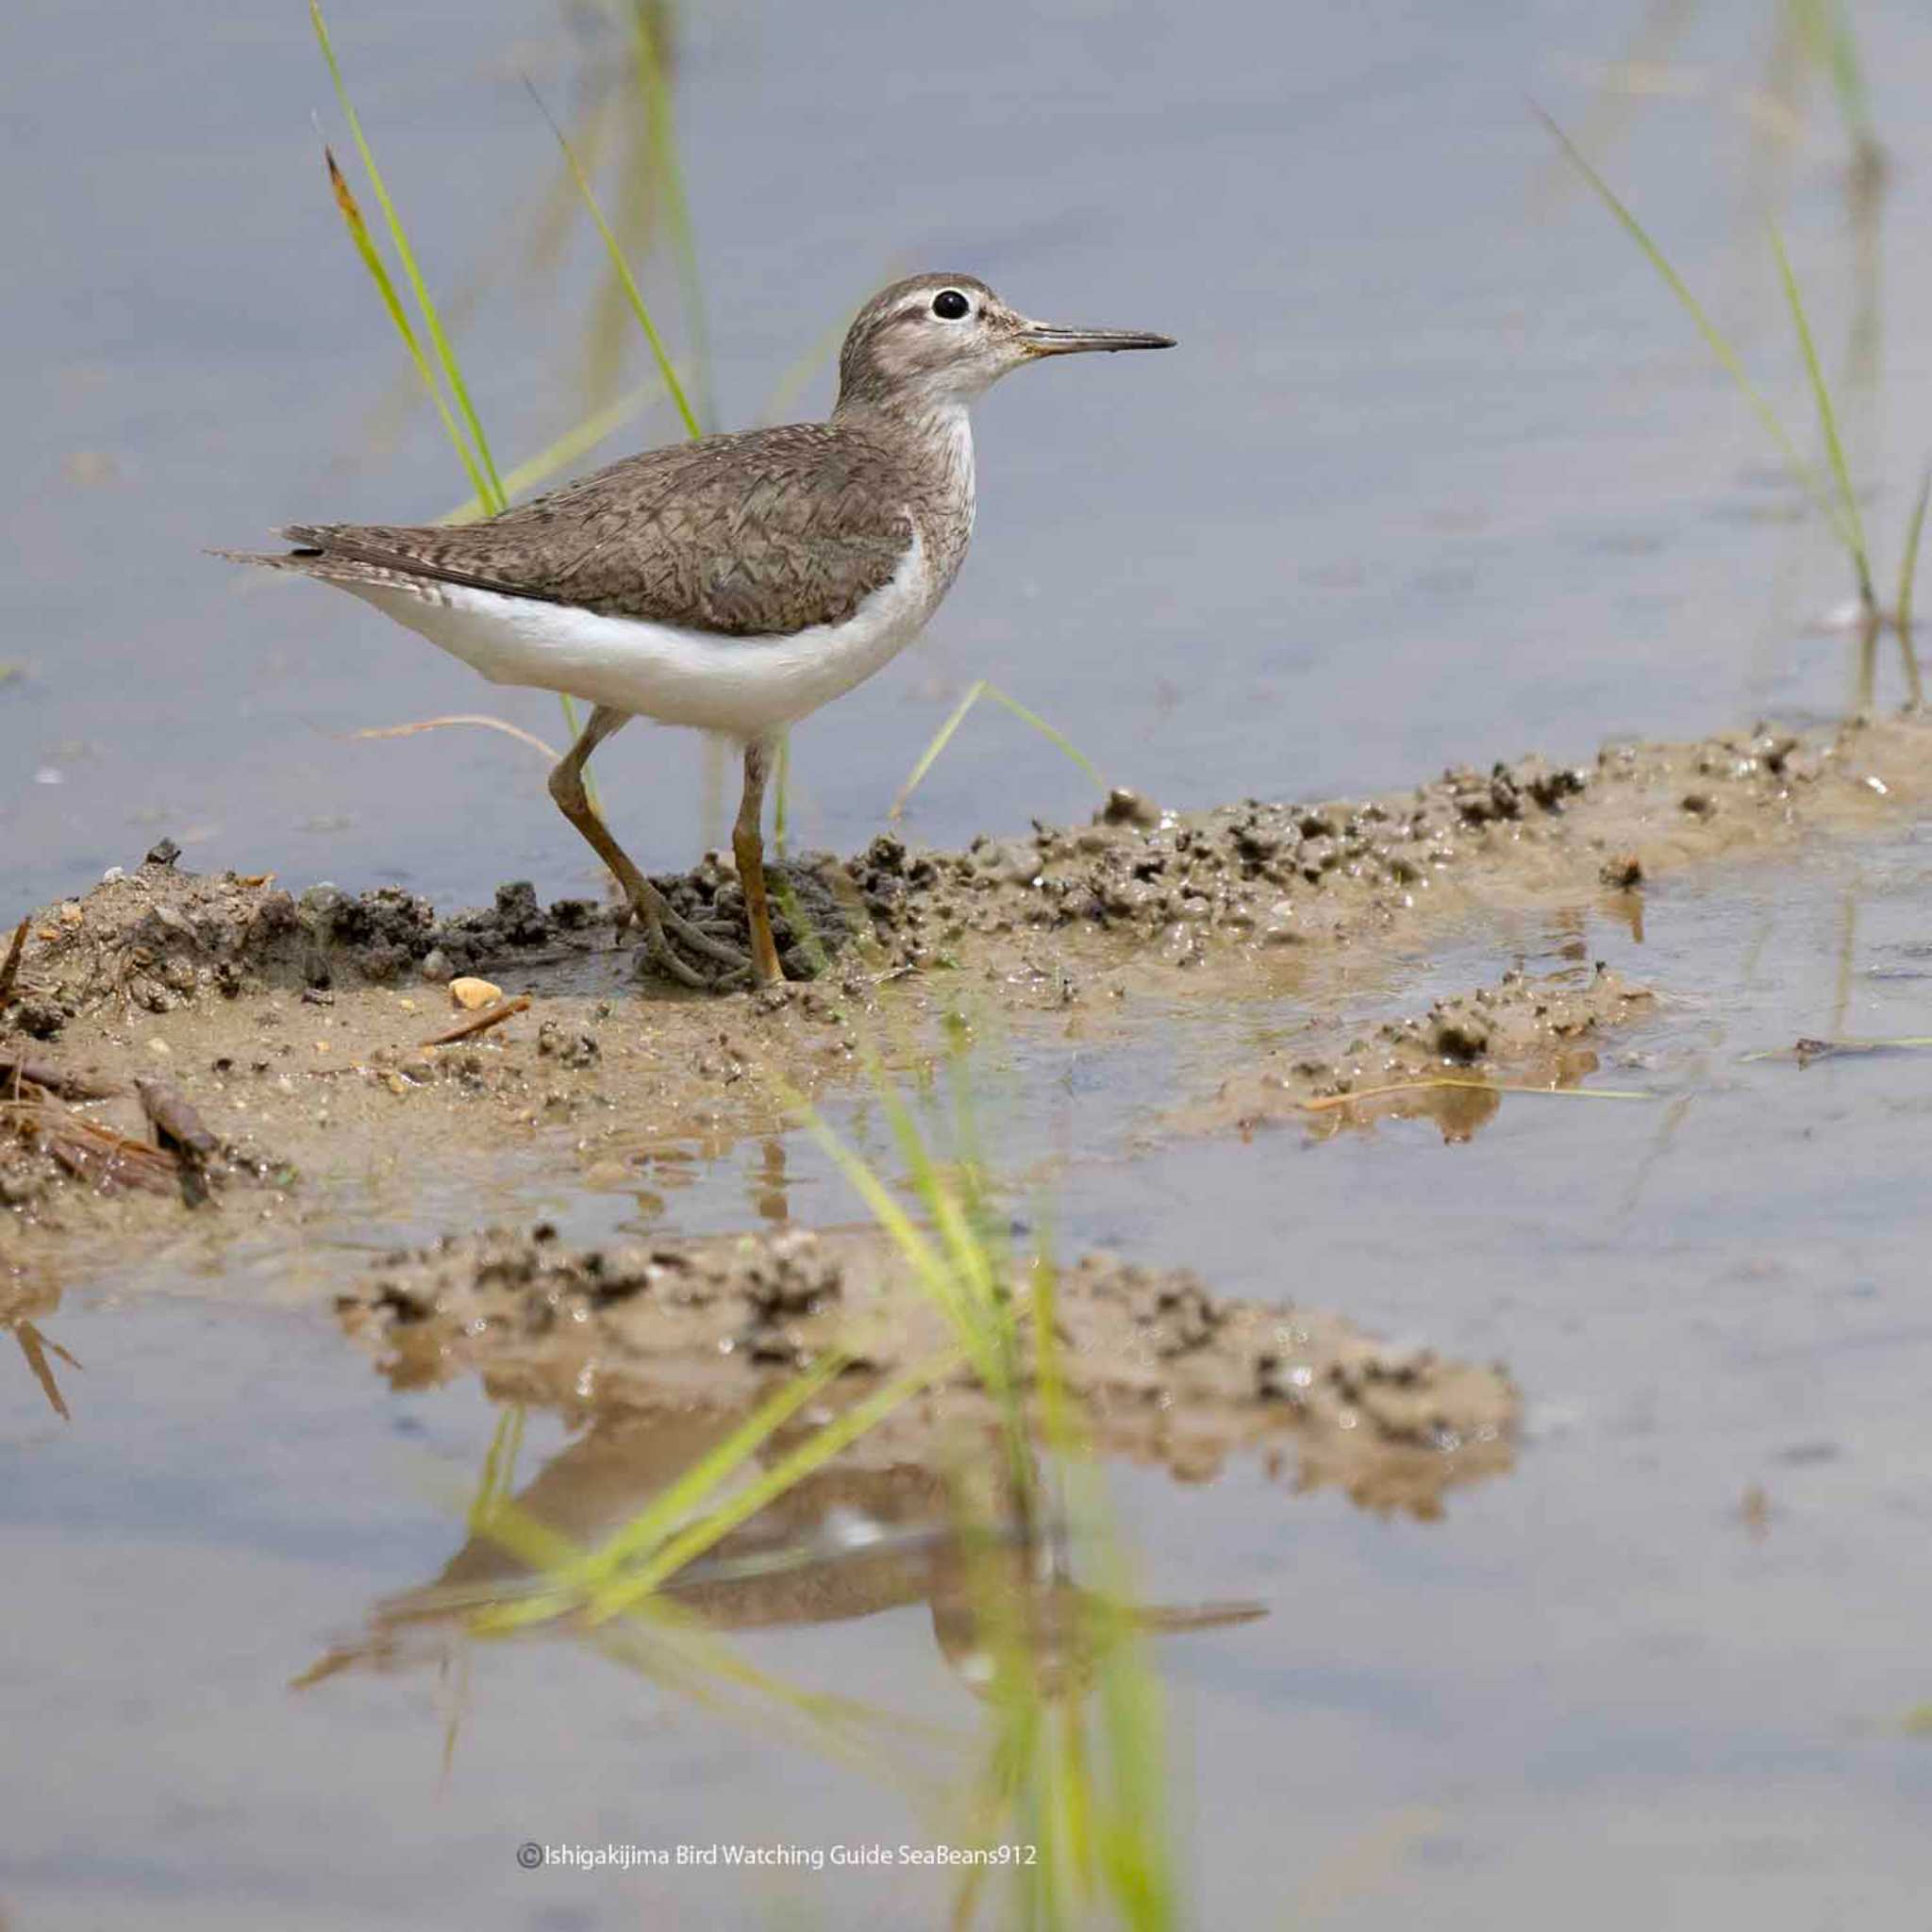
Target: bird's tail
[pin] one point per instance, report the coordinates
(309, 556)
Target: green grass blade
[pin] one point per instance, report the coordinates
(528, 1537)
(566, 450)
(497, 1482)
(967, 1290)
(1827, 418)
(1058, 739)
(446, 353)
(586, 1574)
(1908, 570)
(942, 737)
(635, 211)
(1908, 577)
(633, 295)
(351, 212)
(878, 1197)
(1848, 74)
(948, 1274)
(1833, 44)
(781, 806)
(982, 688)
(669, 1510)
(791, 381)
(834, 1438)
(655, 85)
(973, 1264)
(1714, 339)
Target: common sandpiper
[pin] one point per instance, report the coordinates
(736, 583)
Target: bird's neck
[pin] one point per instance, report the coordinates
(933, 439)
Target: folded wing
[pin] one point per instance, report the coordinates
(765, 533)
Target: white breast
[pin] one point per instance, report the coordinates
(744, 687)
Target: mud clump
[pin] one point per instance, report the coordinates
(1251, 878)
(1166, 1370)
(156, 938)
(1529, 1030)
(1271, 877)
(159, 937)
(816, 909)
(302, 1017)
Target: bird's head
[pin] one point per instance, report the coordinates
(942, 341)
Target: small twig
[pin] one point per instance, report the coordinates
(36, 1348)
(175, 1122)
(97, 1155)
(15, 1068)
(9, 973)
(177, 1126)
(509, 730)
(481, 1023)
(1805, 1051)
(1324, 1102)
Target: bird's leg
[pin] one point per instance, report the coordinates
(661, 924)
(748, 848)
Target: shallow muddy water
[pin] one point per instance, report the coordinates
(1660, 1671)
(1439, 475)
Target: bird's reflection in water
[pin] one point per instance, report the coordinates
(848, 1542)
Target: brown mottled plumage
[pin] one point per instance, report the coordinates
(737, 582)
(752, 535)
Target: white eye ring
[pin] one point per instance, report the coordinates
(949, 305)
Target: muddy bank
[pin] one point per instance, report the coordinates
(1173, 887)
(318, 1025)
(1167, 1371)
(156, 938)
(1450, 1064)
(1274, 881)
(355, 1037)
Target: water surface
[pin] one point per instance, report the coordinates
(1439, 473)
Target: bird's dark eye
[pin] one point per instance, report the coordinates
(949, 305)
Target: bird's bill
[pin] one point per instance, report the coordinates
(1044, 339)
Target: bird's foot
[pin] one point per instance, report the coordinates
(627, 915)
(692, 955)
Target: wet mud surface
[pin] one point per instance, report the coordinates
(1254, 878)
(1660, 1672)
(1168, 1371)
(314, 1035)
(156, 938)
(349, 1034)
(1450, 1064)
(412, 1073)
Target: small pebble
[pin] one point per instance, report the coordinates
(474, 995)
